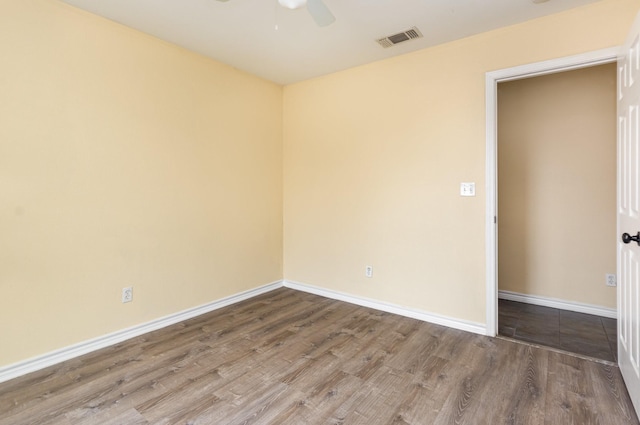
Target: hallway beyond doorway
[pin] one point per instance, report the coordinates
(579, 333)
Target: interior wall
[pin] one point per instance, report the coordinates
(557, 185)
(125, 161)
(374, 157)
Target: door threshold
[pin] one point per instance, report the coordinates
(557, 350)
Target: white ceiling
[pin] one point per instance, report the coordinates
(243, 33)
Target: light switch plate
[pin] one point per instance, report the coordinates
(467, 189)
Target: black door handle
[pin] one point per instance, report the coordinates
(627, 238)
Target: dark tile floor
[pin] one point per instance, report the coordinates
(579, 333)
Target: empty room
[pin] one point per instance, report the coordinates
(285, 212)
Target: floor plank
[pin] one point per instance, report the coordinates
(288, 357)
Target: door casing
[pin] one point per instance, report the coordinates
(492, 79)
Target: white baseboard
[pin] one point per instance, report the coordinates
(67, 353)
(560, 304)
(477, 328)
(54, 357)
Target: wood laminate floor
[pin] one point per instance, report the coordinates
(288, 357)
(579, 333)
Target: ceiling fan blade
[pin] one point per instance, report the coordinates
(320, 13)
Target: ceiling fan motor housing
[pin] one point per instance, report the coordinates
(293, 4)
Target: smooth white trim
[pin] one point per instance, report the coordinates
(552, 66)
(54, 357)
(463, 325)
(491, 84)
(560, 304)
(491, 205)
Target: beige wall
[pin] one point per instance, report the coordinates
(557, 185)
(125, 161)
(374, 156)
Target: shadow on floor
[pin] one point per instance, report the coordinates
(579, 333)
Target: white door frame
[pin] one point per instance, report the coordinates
(492, 79)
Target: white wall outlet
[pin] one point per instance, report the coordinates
(368, 271)
(127, 294)
(611, 280)
(467, 189)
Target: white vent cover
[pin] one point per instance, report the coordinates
(394, 39)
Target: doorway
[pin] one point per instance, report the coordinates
(492, 81)
(557, 206)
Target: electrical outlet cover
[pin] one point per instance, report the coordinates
(368, 271)
(127, 294)
(611, 280)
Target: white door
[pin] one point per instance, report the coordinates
(629, 213)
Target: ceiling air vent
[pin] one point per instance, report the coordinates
(394, 39)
